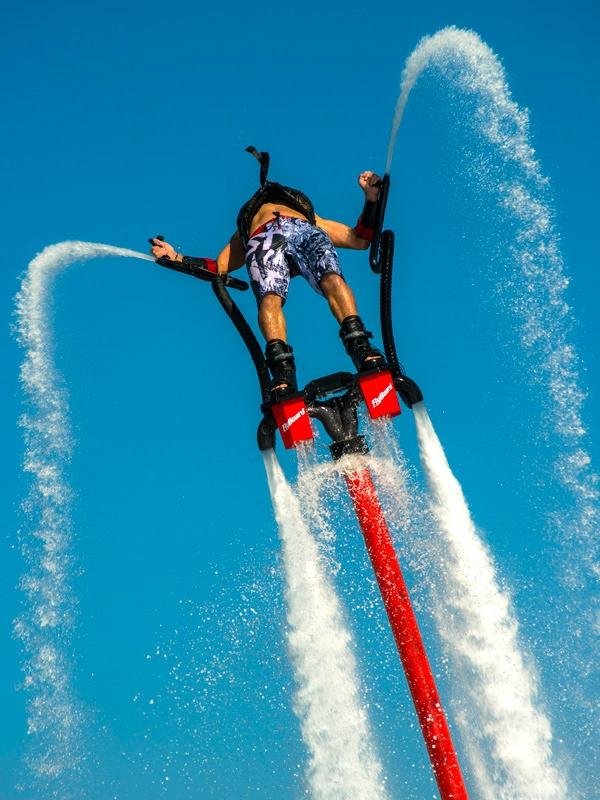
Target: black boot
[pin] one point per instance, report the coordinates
(280, 362)
(356, 341)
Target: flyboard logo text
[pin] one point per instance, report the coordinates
(377, 401)
(289, 422)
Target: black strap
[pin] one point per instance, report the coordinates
(263, 159)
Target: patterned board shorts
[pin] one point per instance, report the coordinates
(284, 247)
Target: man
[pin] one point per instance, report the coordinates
(279, 236)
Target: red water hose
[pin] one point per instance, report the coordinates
(407, 635)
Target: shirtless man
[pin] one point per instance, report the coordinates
(279, 236)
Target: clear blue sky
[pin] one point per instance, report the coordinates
(126, 120)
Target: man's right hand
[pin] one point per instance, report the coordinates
(162, 249)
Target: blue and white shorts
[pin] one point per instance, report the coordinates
(286, 247)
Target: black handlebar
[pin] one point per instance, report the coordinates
(375, 254)
(196, 270)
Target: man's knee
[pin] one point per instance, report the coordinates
(332, 282)
(269, 303)
(270, 308)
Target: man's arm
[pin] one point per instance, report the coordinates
(232, 256)
(343, 235)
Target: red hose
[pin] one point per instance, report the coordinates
(407, 635)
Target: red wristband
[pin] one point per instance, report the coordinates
(362, 231)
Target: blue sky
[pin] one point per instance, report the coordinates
(126, 120)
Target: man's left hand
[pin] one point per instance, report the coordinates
(369, 183)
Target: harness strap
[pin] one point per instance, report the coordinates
(263, 159)
(270, 192)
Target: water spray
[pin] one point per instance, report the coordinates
(55, 716)
(536, 297)
(343, 763)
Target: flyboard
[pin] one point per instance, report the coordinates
(334, 400)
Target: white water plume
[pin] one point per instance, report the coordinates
(507, 734)
(532, 287)
(54, 714)
(536, 291)
(343, 762)
(462, 56)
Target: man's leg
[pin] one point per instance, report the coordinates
(339, 296)
(270, 318)
(277, 352)
(268, 270)
(352, 331)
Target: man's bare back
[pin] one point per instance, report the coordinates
(269, 210)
